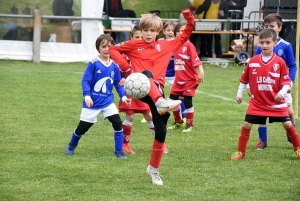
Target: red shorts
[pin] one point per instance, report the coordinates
(136, 106)
(186, 89)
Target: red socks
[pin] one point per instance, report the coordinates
(157, 153)
(243, 140)
(126, 132)
(294, 137)
(189, 118)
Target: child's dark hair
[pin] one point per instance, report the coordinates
(169, 23)
(134, 29)
(268, 33)
(273, 17)
(104, 37)
(178, 26)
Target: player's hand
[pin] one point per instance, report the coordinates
(278, 97)
(187, 13)
(126, 100)
(122, 82)
(201, 77)
(249, 92)
(88, 101)
(239, 100)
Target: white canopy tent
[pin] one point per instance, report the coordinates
(61, 52)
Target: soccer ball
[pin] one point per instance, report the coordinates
(137, 85)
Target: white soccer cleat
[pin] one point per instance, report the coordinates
(154, 173)
(165, 105)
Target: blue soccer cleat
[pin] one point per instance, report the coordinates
(70, 149)
(120, 155)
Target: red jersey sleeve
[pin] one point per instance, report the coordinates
(284, 78)
(115, 53)
(245, 75)
(195, 61)
(181, 39)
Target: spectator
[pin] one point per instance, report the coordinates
(114, 8)
(236, 5)
(195, 37)
(212, 9)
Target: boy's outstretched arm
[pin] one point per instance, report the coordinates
(115, 52)
(178, 41)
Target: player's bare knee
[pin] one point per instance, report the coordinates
(83, 127)
(115, 121)
(287, 124)
(247, 125)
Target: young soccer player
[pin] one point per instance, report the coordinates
(97, 83)
(285, 51)
(136, 106)
(188, 74)
(152, 57)
(269, 81)
(168, 31)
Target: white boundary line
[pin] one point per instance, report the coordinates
(220, 97)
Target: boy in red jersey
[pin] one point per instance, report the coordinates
(136, 106)
(188, 74)
(152, 57)
(269, 81)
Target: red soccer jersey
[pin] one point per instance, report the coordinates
(153, 56)
(186, 61)
(265, 80)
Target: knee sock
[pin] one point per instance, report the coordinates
(118, 136)
(190, 116)
(127, 128)
(75, 139)
(157, 153)
(287, 136)
(154, 92)
(177, 114)
(294, 137)
(263, 133)
(243, 140)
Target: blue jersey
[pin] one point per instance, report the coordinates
(98, 81)
(285, 51)
(170, 69)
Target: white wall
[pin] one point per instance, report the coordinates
(62, 52)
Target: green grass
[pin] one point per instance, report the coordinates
(41, 106)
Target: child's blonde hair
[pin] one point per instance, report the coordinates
(151, 20)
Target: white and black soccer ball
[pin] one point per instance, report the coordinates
(137, 85)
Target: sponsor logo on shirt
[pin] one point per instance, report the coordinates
(184, 56)
(274, 74)
(254, 65)
(183, 49)
(254, 72)
(98, 71)
(286, 77)
(280, 52)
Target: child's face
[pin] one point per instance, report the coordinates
(267, 46)
(103, 49)
(274, 26)
(137, 35)
(149, 34)
(169, 32)
(180, 31)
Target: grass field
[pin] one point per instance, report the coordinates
(40, 107)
